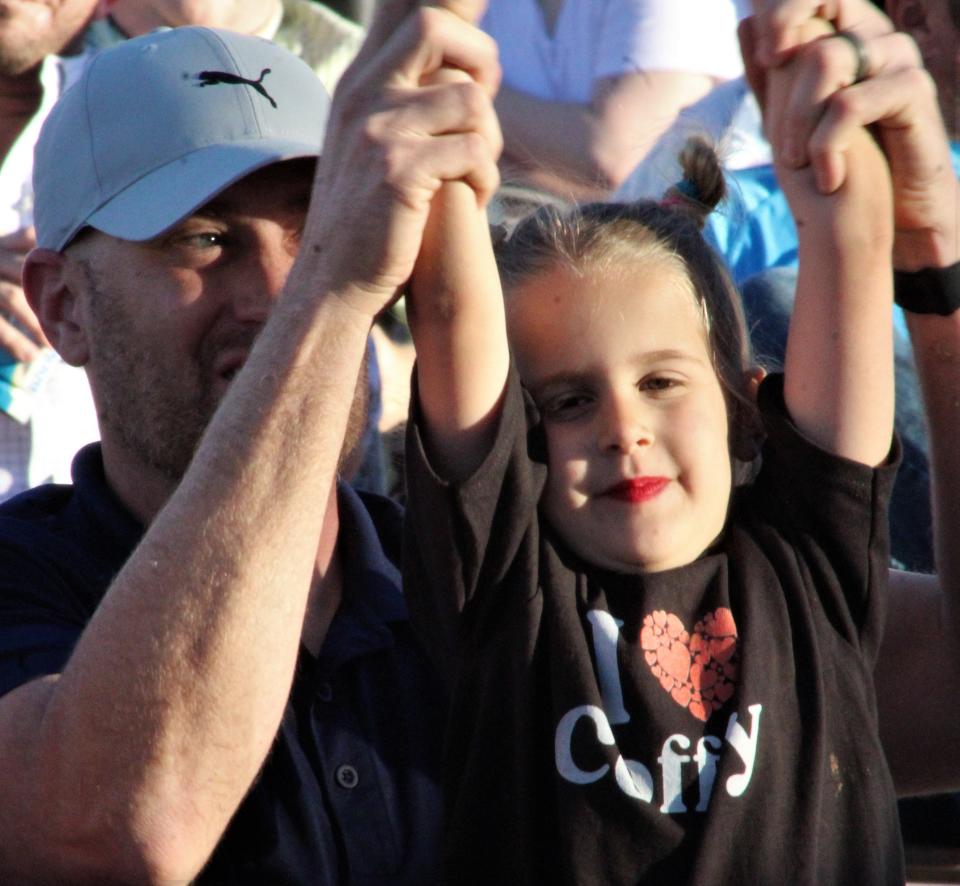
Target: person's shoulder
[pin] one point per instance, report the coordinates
(64, 542)
(33, 512)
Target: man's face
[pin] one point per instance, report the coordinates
(30, 30)
(169, 322)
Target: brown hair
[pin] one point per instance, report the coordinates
(602, 235)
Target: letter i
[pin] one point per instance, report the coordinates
(606, 632)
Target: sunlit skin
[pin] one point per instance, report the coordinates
(634, 414)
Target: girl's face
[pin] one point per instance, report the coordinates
(634, 414)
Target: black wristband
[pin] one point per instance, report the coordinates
(928, 291)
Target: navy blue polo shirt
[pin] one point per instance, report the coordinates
(350, 791)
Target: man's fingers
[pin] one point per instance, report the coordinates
(825, 70)
(417, 172)
(443, 110)
(388, 19)
(435, 38)
(412, 39)
(891, 102)
(778, 24)
(428, 40)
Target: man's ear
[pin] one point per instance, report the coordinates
(55, 300)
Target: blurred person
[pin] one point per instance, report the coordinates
(589, 85)
(46, 412)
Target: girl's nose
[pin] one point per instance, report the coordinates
(625, 425)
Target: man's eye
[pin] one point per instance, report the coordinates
(204, 240)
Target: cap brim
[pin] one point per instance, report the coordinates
(167, 195)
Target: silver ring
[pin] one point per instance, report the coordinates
(860, 50)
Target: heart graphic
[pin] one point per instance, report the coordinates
(698, 669)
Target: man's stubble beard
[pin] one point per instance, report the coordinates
(144, 414)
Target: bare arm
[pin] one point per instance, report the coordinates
(839, 357)
(129, 765)
(918, 674)
(456, 314)
(587, 150)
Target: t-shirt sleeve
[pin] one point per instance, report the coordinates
(461, 540)
(690, 36)
(834, 514)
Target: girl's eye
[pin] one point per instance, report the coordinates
(661, 385)
(566, 407)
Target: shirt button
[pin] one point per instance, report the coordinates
(325, 692)
(347, 776)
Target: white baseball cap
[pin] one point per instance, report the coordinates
(159, 125)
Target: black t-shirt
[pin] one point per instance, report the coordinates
(714, 723)
(350, 792)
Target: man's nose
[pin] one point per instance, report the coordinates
(625, 424)
(258, 282)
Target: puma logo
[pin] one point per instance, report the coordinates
(212, 78)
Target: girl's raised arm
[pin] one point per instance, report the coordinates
(456, 315)
(839, 360)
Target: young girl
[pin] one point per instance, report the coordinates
(659, 646)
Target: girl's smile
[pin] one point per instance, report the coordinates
(638, 489)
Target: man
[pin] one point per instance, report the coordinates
(45, 407)
(207, 658)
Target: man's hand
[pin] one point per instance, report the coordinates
(398, 131)
(896, 97)
(20, 332)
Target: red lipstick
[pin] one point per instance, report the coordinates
(638, 489)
